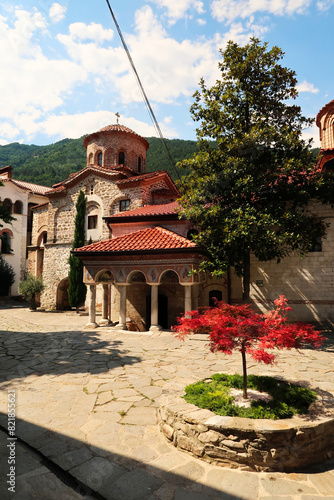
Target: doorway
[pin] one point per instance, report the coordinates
(63, 303)
(162, 311)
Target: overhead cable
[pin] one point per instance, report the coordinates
(147, 102)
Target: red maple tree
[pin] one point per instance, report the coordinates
(239, 328)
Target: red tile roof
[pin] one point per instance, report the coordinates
(142, 177)
(152, 238)
(167, 209)
(73, 178)
(35, 188)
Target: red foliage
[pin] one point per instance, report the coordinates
(239, 328)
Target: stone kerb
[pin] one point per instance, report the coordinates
(249, 444)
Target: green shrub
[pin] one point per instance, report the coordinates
(288, 399)
(30, 287)
(7, 276)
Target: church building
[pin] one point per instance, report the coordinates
(139, 267)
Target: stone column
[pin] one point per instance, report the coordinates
(187, 299)
(92, 304)
(105, 306)
(154, 309)
(122, 308)
(195, 296)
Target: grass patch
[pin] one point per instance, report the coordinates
(288, 399)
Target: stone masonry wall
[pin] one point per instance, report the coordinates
(248, 444)
(308, 282)
(61, 217)
(56, 269)
(40, 223)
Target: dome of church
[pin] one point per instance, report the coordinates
(112, 129)
(325, 122)
(116, 145)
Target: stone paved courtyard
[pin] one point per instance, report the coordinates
(87, 400)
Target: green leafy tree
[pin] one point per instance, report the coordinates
(251, 184)
(77, 289)
(30, 288)
(7, 276)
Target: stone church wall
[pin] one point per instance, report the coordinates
(308, 282)
(56, 269)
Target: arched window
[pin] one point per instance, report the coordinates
(99, 158)
(7, 203)
(92, 216)
(90, 159)
(43, 238)
(121, 158)
(6, 242)
(139, 164)
(18, 207)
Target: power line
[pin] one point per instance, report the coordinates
(147, 102)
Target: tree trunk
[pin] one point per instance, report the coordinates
(244, 372)
(246, 279)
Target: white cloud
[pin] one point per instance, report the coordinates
(228, 11)
(177, 9)
(20, 37)
(307, 87)
(312, 133)
(324, 5)
(92, 31)
(169, 69)
(57, 12)
(77, 125)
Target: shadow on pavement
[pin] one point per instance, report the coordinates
(91, 472)
(38, 353)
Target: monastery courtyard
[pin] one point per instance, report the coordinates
(86, 403)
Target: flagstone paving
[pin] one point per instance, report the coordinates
(86, 401)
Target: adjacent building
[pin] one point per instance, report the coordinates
(19, 198)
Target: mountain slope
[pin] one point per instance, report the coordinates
(50, 164)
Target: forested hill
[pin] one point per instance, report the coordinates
(47, 165)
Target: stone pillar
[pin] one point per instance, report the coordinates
(122, 307)
(154, 309)
(92, 304)
(187, 299)
(105, 306)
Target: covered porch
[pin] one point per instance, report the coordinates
(146, 287)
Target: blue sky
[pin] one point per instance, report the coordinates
(64, 72)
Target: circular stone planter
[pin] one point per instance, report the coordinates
(250, 444)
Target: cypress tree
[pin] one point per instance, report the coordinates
(77, 289)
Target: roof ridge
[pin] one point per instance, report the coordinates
(143, 239)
